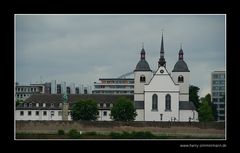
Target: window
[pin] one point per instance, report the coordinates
(108, 105)
(104, 105)
(222, 112)
(142, 78)
(30, 104)
(168, 102)
(221, 106)
(29, 113)
(104, 113)
(37, 104)
(111, 105)
(59, 113)
(180, 78)
(154, 102)
(44, 113)
(215, 76)
(60, 104)
(21, 113)
(25, 104)
(52, 104)
(44, 105)
(101, 105)
(52, 113)
(37, 113)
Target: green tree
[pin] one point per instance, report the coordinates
(193, 95)
(205, 112)
(123, 110)
(18, 102)
(84, 110)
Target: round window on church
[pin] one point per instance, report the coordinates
(161, 71)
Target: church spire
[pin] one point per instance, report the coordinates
(161, 61)
(142, 52)
(180, 53)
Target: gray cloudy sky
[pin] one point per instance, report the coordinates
(84, 48)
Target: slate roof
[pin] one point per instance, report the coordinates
(180, 66)
(52, 101)
(142, 66)
(186, 105)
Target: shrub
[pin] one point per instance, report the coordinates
(61, 132)
(73, 133)
(91, 133)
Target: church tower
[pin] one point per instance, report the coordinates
(142, 76)
(180, 75)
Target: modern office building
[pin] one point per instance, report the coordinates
(114, 86)
(218, 93)
(25, 91)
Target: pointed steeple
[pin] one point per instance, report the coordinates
(142, 52)
(161, 61)
(180, 53)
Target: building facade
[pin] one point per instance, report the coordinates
(218, 93)
(25, 91)
(161, 96)
(119, 86)
(50, 106)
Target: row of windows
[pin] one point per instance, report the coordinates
(167, 102)
(219, 82)
(218, 100)
(218, 93)
(38, 105)
(44, 113)
(218, 76)
(115, 86)
(105, 105)
(27, 89)
(218, 88)
(23, 95)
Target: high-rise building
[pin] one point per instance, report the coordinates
(53, 87)
(218, 93)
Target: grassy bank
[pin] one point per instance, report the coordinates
(74, 134)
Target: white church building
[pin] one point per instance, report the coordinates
(161, 96)
(158, 96)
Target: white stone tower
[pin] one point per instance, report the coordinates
(180, 75)
(142, 76)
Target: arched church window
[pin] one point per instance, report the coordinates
(142, 78)
(168, 102)
(154, 102)
(180, 78)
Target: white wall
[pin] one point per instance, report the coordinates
(39, 117)
(185, 114)
(138, 86)
(102, 117)
(167, 115)
(140, 115)
(184, 87)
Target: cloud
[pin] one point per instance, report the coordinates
(83, 48)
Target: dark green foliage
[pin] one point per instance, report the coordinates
(74, 134)
(61, 132)
(84, 110)
(123, 110)
(133, 135)
(193, 95)
(205, 112)
(18, 102)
